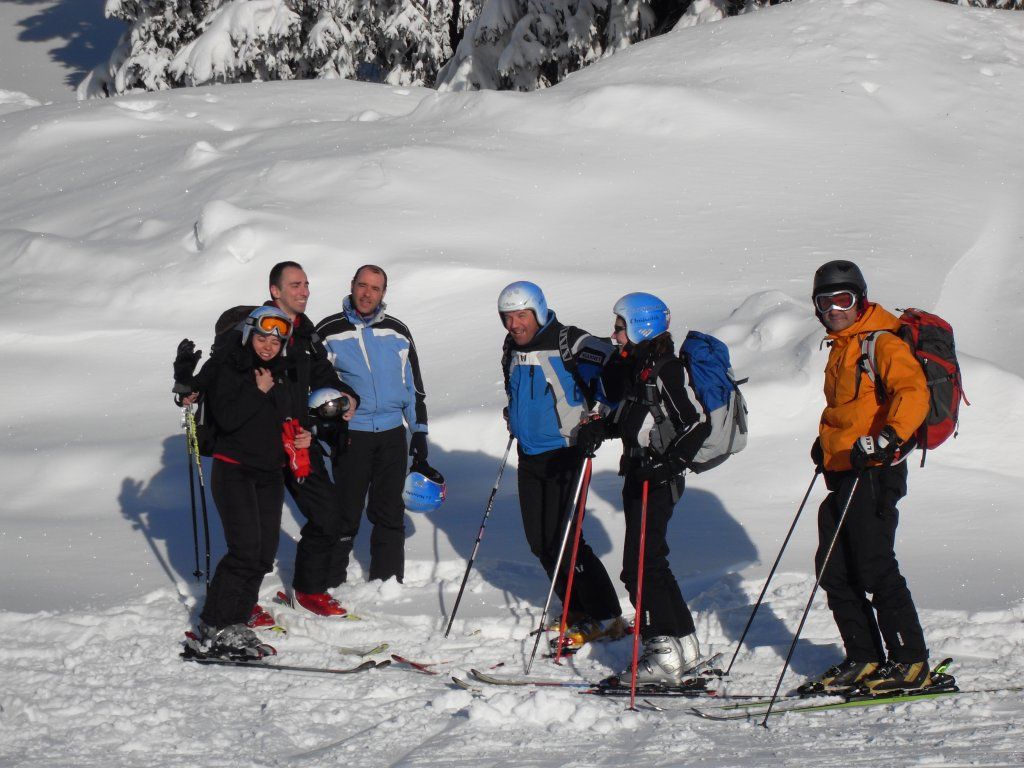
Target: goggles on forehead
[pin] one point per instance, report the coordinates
(270, 325)
(841, 300)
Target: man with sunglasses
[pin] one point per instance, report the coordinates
(319, 551)
(552, 380)
(864, 434)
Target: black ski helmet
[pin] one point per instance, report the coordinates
(839, 274)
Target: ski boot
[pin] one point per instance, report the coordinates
(843, 678)
(896, 677)
(235, 642)
(587, 630)
(663, 663)
(260, 618)
(319, 604)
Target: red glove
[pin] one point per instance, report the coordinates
(298, 458)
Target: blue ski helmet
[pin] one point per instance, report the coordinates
(424, 490)
(328, 403)
(267, 321)
(646, 316)
(521, 295)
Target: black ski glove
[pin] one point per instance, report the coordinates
(590, 435)
(185, 362)
(658, 469)
(875, 450)
(427, 471)
(817, 454)
(418, 447)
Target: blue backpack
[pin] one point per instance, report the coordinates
(707, 363)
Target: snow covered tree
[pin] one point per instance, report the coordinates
(412, 40)
(528, 44)
(171, 43)
(1010, 5)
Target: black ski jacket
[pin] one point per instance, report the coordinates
(641, 376)
(248, 420)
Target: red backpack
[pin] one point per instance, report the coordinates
(931, 340)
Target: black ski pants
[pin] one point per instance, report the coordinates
(249, 503)
(547, 482)
(320, 557)
(370, 472)
(664, 610)
(864, 562)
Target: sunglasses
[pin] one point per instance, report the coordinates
(269, 325)
(619, 328)
(841, 300)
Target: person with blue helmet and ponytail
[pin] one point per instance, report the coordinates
(662, 425)
(552, 379)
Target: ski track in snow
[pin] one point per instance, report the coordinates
(717, 166)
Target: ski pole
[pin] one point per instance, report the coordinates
(479, 535)
(580, 511)
(192, 495)
(814, 590)
(558, 563)
(638, 621)
(764, 590)
(193, 443)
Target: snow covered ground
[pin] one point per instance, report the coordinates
(717, 166)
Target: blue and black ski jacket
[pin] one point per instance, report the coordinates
(376, 356)
(546, 401)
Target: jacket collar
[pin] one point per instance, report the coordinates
(357, 319)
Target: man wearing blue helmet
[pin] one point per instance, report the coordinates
(662, 425)
(552, 381)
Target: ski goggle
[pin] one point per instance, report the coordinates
(841, 300)
(332, 408)
(270, 325)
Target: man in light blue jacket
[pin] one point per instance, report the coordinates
(374, 354)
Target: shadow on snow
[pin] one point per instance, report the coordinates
(81, 36)
(708, 546)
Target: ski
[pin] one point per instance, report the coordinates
(466, 686)
(590, 687)
(483, 677)
(282, 599)
(261, 664)
(419, 666)
(744, 713)
(691, 688)
(942, 684)
(367, 651)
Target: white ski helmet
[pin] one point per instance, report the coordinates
(267, 321)
(328, 403)
(521, 295)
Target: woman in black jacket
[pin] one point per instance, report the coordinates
(662, 425)
(250, 399)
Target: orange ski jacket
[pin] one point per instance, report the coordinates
(854, 409)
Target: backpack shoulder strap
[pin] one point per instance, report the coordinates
(652, 397)
(867, 363)
(565, 352)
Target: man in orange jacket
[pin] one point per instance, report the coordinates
(865, 432)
